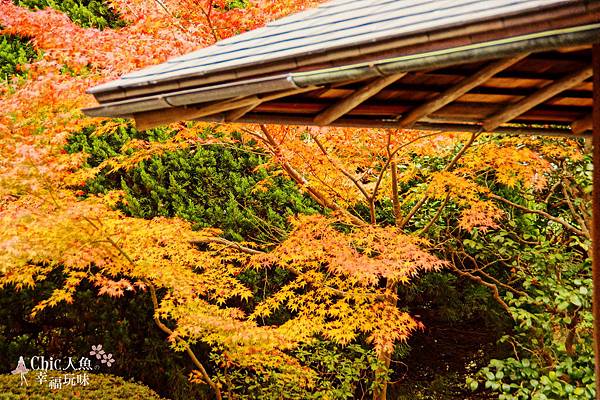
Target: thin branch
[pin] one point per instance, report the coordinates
(462, 151)
(488, 276)
(188, 350)
(574, 212)
(346, 173)
(544, 214)
(157, 320)
(175, 21)
(391, 156)
(479, 280)
(208, 17)
(227, 243)
(413, 211)
(448, 167)
(395, 195)
(300, 180)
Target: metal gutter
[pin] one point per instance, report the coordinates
(192, 96)
(543, 41)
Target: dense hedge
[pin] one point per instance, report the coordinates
(124, 327)
(86, 13)
(217, 186)
(14, 51)
(101, 387)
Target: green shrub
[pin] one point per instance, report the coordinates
(86, 13)
(211, 186)
(551, 340)
(342, 373)
(124, 326)
(14, 51)
(100, 387)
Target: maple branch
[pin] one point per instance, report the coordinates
(462, 151)
(479, 280)
(544, 214)
(175, 21)
(394, 169)
(340, 167)
(227, 243)
(188, 350)
(300, 180)
(157, 320)
(395, 195)
(391, 156)
(448, 167)
(413, 211)
(208, 17)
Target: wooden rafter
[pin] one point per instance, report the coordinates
(348, 103)
(457, 91)
(583, 124)
(526, 104)
(238, 113)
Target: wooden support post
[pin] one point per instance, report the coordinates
(456, 91)
(545, 93)
(596, 215)
(349, 103)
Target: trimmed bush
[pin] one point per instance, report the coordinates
(14, 51)
(100, 387)
(85, 13)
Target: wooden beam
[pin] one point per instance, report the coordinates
(348, 103)
(349, 122)
(153, 119)
(466, 112)
(596, 215)
(583, 124)
(547, 92)
(237, 113)
(457, 91)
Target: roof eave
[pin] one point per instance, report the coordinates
(542, 41)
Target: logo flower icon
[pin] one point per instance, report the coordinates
(107, 359)
(98, 352)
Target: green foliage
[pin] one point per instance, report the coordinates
(14, 52)
(101, 387)
(550, 267)
(446, 298)
(86, 13)
(123, 326)
(212, 186)
(236, 4)
(343, 373)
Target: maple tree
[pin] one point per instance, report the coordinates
(383, 195)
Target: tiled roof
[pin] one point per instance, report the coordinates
(332, 25)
